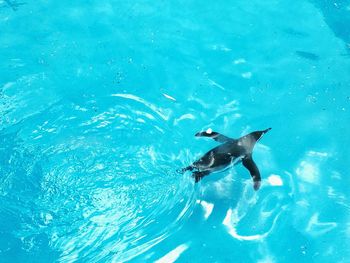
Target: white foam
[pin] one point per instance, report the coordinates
(308, 172)
(275, 180)
(207, 207)
(247, 75)
(215, 84)
(169, 97)
(156, 109)
(173, 255)
(187, 116)
(318, 154)
(315, 227)
(239, 61)
(228, 222)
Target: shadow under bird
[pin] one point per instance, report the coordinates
(230, 151)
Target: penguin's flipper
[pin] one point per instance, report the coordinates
(214, 135)
(253, 170)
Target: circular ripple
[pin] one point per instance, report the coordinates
(107, 187)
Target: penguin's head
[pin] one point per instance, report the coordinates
(257, 135)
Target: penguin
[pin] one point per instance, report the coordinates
(230, 151)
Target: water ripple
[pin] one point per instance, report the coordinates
(107, 187)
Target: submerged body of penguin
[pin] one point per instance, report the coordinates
(228, 152)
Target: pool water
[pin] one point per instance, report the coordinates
(99, 104)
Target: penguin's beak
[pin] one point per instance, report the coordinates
(265, 131)
(260, 134)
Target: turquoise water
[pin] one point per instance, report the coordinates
(99, 104)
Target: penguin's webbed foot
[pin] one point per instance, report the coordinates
(199, 175)
(183, 170)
